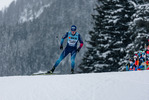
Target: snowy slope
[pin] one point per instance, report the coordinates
(102, 86)
(5, 3)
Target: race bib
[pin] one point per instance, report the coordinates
(72, 40)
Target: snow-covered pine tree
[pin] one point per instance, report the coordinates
(139, 2)
(108, 37)
(92, 54)
(139, 29)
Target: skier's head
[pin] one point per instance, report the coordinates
(135, 53)
(73, 28)
(140, 52)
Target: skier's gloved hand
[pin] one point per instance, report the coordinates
(61, 47)
(78, 49)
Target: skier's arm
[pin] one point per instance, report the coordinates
(81, 42)
(64, 37)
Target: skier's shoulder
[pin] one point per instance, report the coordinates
(69, 32)
(77, 33)
(64, 36)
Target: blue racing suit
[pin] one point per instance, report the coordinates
(71, 47)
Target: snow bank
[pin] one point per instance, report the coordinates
(102, 86)
(5, 3)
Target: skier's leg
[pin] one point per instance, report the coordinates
(73, 56)
(62, 56)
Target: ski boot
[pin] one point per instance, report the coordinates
(72, 71)
(51, 71)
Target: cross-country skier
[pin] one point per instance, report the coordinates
(72, 38)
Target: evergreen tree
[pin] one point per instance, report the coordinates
(108, 37)
(139, 29)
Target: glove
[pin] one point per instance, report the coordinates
(61, 47)
(78, 49)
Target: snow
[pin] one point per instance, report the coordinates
(143, 6)
(100, 65)
(134, 4)
(28, 15)
(137, 19)
(95, 86)
(5, 3)
(25, 14)
(118, 42)
(105, 54)
(130, 45)
(115, 21)
(41, 10)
